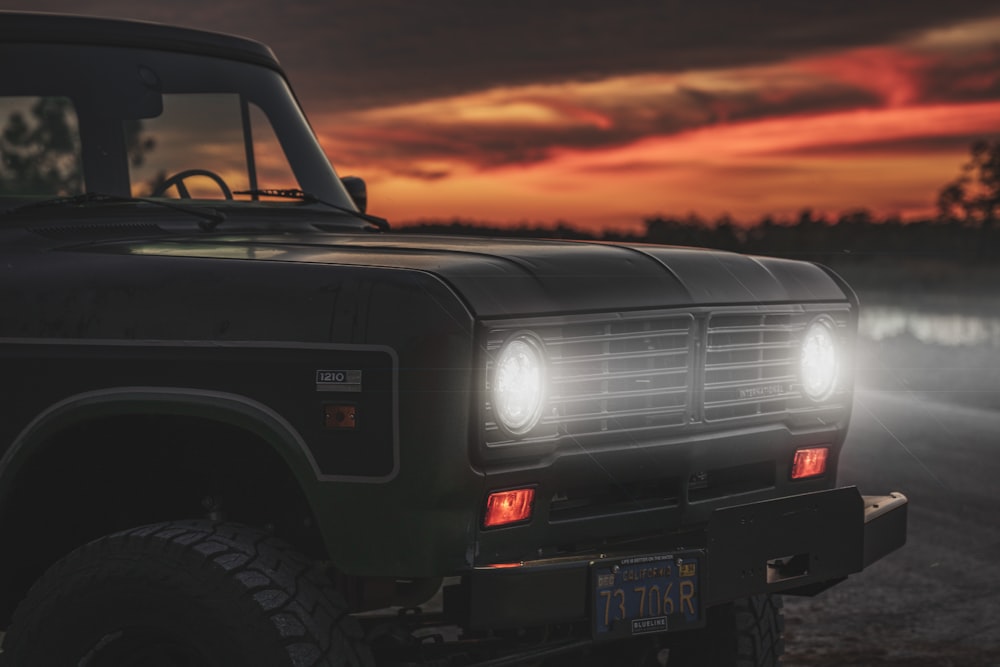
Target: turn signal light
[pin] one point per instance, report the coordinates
(506, 507)
(809, 462)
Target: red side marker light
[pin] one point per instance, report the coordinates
(340, 416)
(506, 507)
(810, 462)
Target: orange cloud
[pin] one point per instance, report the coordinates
(882, 127)
(786, 136)
(776, 166)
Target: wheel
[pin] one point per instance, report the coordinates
(744, 633)
(178, 180)
(184, 594)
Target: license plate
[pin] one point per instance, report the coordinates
(646, 594)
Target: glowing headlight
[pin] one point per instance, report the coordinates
(518, 384)
(819, 365)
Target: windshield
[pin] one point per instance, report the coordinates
(219, 133)
(139, 123)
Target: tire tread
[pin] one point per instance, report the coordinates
(307, 616)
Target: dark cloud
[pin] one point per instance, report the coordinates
(393, 50)
(721, 107)
(911, 146)
(362, 53)
(682, 167)
(397, 142)
(966, 77)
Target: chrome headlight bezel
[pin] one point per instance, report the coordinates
(518, 383)
(820, 359)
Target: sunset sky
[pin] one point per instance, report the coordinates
(602, 114)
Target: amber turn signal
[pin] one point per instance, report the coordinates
(809, 462)
(506, 507)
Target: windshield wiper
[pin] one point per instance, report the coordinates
(210, 219)
(290, 193)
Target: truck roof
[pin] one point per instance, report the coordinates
(47, 28)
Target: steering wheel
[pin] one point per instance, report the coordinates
(178, 180)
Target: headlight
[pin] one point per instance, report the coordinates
(519, 384)
(820, 363)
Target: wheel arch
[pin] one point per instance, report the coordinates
(233, 409)
(61, 476)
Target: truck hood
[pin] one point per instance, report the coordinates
(513, 277)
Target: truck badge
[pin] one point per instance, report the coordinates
(763, 391)
(338, 381)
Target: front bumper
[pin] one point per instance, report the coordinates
(799, 545)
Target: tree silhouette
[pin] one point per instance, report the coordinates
(39, 154)
(974, 197)
(136, 143)
(40, 149)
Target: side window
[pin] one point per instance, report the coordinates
(39, 147)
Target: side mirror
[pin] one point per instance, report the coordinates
(358, 191)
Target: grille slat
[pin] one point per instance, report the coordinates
(743, 365)
(735, 347)
(602, 338)
(617, 357)
(621, 394)
(618, 414)
(736, 384)
(781, 328)
(749, 401)
(619, 376)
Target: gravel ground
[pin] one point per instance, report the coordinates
(937, 600)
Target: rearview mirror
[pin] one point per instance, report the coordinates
(130, 95)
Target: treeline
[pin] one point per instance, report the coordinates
(855, 235)
(956, 252)
(966, 229)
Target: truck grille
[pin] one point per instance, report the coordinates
(613, 375)
(630, 372)
(619, 375)
(751, 364)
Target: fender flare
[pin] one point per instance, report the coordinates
(223, 407)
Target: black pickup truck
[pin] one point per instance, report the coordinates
(244, 424)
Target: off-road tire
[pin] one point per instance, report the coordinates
(190, 593)
(744, 633)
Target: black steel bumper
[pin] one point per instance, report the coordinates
(802, 544)
(799, 545)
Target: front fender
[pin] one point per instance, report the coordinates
(229, 408)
